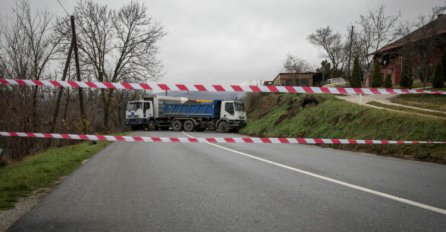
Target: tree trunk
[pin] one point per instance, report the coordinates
(66, 105)
(106, 106)
(34, 109)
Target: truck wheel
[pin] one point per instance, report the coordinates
(151, 126)
(176, 125)
(223, 127)
(188, 125)
(135, 128)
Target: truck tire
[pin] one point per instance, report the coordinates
(223, 127)
(177, 125)
(135, 128)
(188, 125)
(151, 126)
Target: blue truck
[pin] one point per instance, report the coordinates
(159, 112)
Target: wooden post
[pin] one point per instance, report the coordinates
(59, 95)
(350, 54)
(78, 75)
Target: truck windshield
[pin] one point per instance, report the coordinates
(239, 106)
(133, 106)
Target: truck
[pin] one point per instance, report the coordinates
(163, 112)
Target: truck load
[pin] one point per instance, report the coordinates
(158, 112)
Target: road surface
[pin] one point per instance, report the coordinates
(242, 187)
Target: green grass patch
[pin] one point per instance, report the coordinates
(42, 170)
(428, 101)
(323, 116)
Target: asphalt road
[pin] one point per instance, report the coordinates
(242, 187)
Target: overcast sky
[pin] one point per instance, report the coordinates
(235, 41)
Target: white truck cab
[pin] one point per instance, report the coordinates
(233, 110)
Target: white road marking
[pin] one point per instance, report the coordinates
(374, 192)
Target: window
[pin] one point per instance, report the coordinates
(133, 106)
(303, 82)
(229, 107)
(239, 106)
(146, 106)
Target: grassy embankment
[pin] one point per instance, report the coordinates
(323, 116)
(42, 170)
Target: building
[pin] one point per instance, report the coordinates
(296, 79)
(423, 47)
(268, 83)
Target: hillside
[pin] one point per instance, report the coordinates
(323, 116)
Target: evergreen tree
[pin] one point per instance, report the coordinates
(406, 74)
(443, 64)
(388, 81)
(377, 80)
(355, 82)
(438, 80)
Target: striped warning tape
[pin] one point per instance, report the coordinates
(153, 139)
(212, 88)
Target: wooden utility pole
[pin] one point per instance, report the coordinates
(59, 95)
(78, 75)
(350, 54)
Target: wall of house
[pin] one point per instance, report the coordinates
(294, 79)
(394, 67)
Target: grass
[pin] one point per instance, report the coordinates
(322, 116)
(42, 170)
(406, 109)
(428, 101)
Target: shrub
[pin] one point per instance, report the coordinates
(356, 75)
(377, 80)
(437, 81)
(406, 75)
(388, 81)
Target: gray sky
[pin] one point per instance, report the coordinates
(234, 41)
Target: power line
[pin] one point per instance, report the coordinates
(63, 7)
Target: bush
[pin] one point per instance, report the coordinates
(406, 75)
(388, 81)
(437, 81)
(356, 75)
(377, 80)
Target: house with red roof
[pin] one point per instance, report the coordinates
(423, 48)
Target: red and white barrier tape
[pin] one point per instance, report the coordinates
(153, 139)
(212, 88)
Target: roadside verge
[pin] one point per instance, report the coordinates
(24, 183)
(321, 116)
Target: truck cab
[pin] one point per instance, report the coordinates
(233, 113)
(138, 113)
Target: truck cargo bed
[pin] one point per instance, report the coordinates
(203, 110)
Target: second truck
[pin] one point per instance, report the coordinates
(163, 112)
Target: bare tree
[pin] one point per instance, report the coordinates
(294, 64)
(332, 45)
(117, 45)
(27, 48)
(375, 30)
